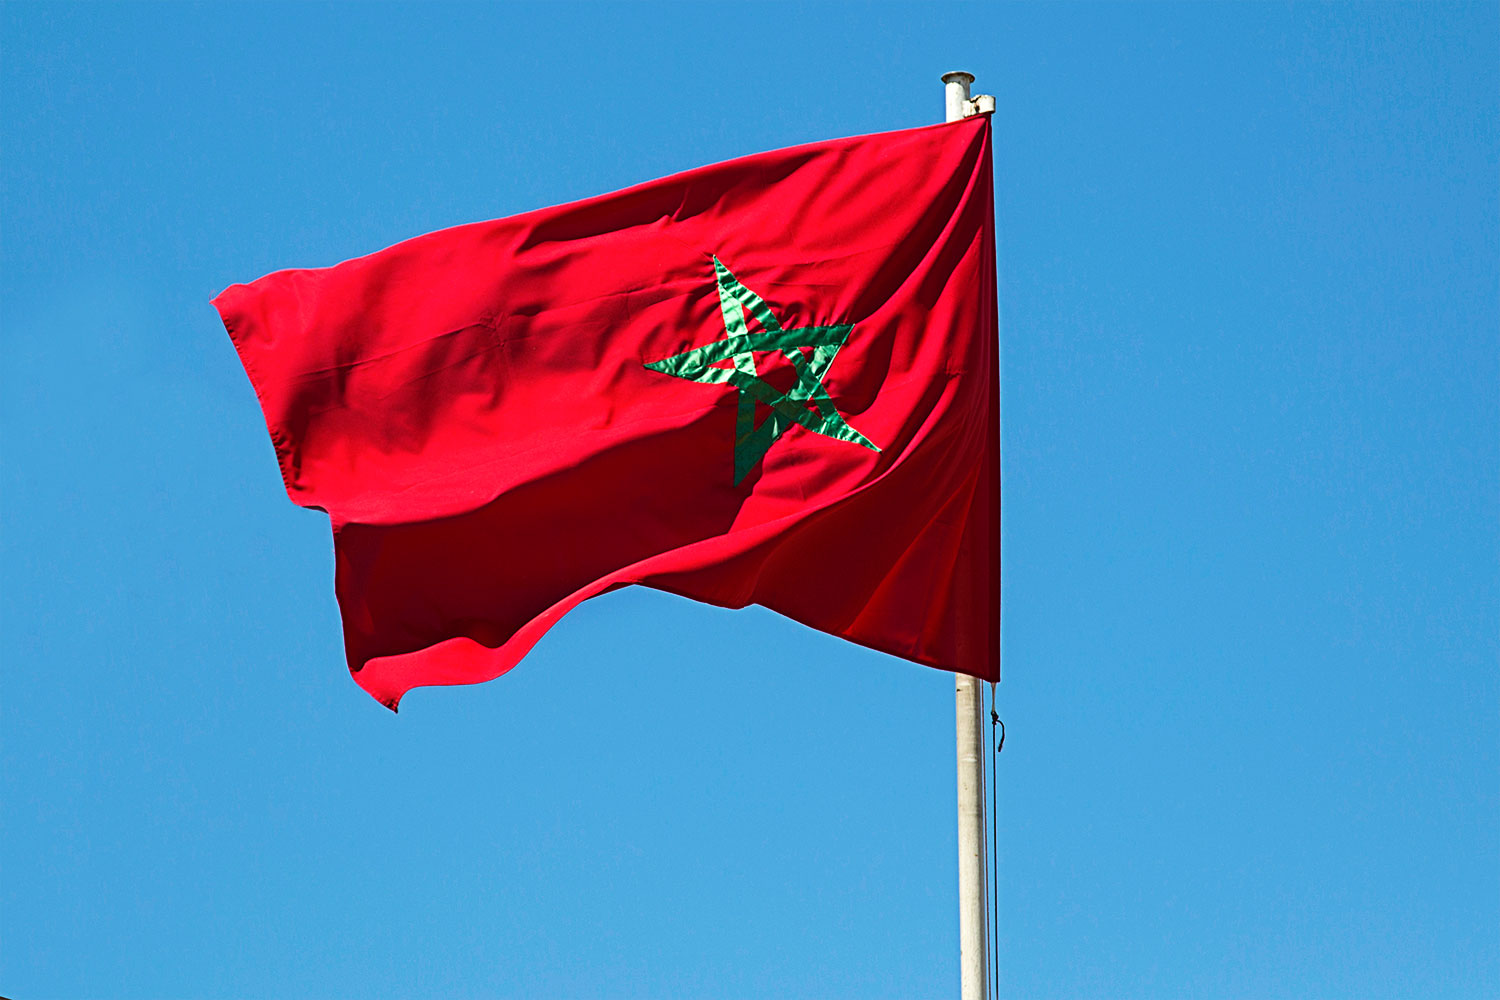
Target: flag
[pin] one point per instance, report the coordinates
(769, 381)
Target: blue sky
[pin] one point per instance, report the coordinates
(1250, 284)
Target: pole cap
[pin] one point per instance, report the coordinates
(958, 76)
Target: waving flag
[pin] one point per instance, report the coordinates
(769, 381)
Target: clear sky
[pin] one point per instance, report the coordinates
(1250, 284)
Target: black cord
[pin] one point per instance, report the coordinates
(990, 932)
(995, 838)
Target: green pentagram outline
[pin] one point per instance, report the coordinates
(697, 365)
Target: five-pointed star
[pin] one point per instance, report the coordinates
(699, 365)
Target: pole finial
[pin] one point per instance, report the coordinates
(956, 99)
(956, 94)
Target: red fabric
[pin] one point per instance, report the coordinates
(472, 409)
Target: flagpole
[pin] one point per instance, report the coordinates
(973, 929)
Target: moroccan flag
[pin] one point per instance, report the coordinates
(770, 381)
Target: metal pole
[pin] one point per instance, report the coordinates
(973, 928)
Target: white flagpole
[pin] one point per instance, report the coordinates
(973, 928)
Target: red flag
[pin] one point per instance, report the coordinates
(770, 381)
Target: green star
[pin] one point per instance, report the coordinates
(699, 365)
